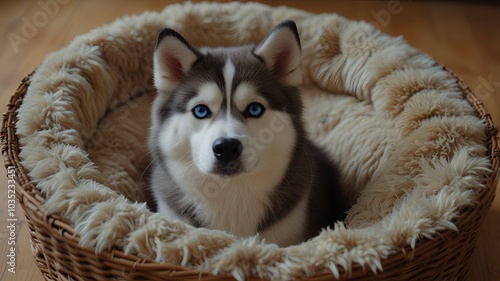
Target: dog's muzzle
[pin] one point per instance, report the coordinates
(227, 151)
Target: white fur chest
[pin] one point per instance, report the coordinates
(235, 205)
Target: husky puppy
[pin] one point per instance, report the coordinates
(228, 141)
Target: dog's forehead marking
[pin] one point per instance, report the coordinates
(228, 73)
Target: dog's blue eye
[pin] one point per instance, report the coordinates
(201, 111)
(255, 110)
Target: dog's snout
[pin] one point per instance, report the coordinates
(227, 149)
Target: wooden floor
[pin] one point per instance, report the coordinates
(464, 37)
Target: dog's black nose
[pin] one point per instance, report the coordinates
(227, 149)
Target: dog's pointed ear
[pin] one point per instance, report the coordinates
(173, 58)
(281, 53)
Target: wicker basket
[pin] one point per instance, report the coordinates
(59, 256)
(56, 244)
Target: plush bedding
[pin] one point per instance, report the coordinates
(410, 148)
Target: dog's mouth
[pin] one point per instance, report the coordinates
(231, 168)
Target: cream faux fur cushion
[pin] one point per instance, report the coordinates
(410, 147)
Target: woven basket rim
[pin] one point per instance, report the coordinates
(29, 197)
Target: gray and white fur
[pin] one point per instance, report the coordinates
(228, 141)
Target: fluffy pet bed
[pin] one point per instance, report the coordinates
(414, 145)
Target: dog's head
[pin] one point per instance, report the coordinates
(227, 111)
